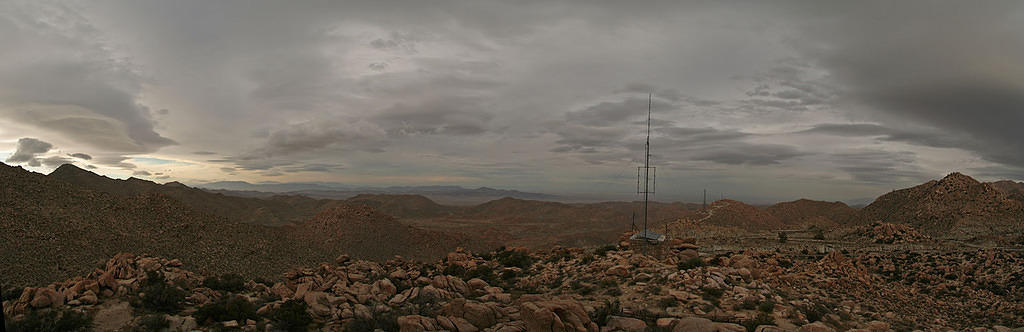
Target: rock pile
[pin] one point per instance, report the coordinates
(574, 289)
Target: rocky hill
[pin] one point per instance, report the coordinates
(956, 206)
(1012, 189)
(79, 227)
(272, 212)
(805, 212)
(370, 234)
(732, 213)
(403, 206)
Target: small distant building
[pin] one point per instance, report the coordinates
(649, 236)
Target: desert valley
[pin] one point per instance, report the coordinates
(134, 254)
(512, 166)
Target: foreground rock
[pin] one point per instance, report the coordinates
(563, 289)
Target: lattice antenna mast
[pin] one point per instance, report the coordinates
(649, 173)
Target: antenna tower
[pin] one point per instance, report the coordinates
(649, 173)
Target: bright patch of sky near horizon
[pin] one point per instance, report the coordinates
(760, 101)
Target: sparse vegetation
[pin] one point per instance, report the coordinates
(691, 263)
(229, 283)
(603, 250)
(291, 316)
(50, 321)
(157, 295)
(152, 322)
(514, 258)
(235, 307)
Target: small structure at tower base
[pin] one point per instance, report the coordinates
(647, 235)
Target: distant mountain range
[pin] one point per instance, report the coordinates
(442, 194)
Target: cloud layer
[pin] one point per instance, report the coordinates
(764, 101)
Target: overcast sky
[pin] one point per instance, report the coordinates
(762, 100)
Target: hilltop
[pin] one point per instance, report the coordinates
(956, 206)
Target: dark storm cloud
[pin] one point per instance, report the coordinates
(446, 116)
(949, 64)
(28, 149)
(880, 167)
(81, 156)
(55, 161)
(740, 153)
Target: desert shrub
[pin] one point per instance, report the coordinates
(587, 259)
(152, 323)
(747, 304)
(711, 293)
(157, 295)
(12, 293)
(291, 316)
(613, 291)
(814, 312)
(785, 263)
(558, 256)
(484, 272)
(608, 283)
(581, 288)
(667, 301)
(455, 270)
(229, 283)
(512, 258)
(383, 321)
(227, 308)
(610, 308)
(783, 237)
(766, 306)
(51, 320)
(691, 263)
(819, 235)
(603, 250)
(762, 318)
(715, 261)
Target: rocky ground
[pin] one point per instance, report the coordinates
(563, 289)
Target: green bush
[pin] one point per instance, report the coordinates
(512, 258)
(227, 308)
(484, 272)
(291, 316)
(667, 301)
(229, 283)
(157, 295)
(603, 251)
(691, 263)
(710, 293)
(152, 323)
(51, 320)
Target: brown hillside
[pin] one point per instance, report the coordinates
(41, 214)
(272, 212)
(731, 213)
(402, 206)
(805, 212)
(368, 233)
(957, 206)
